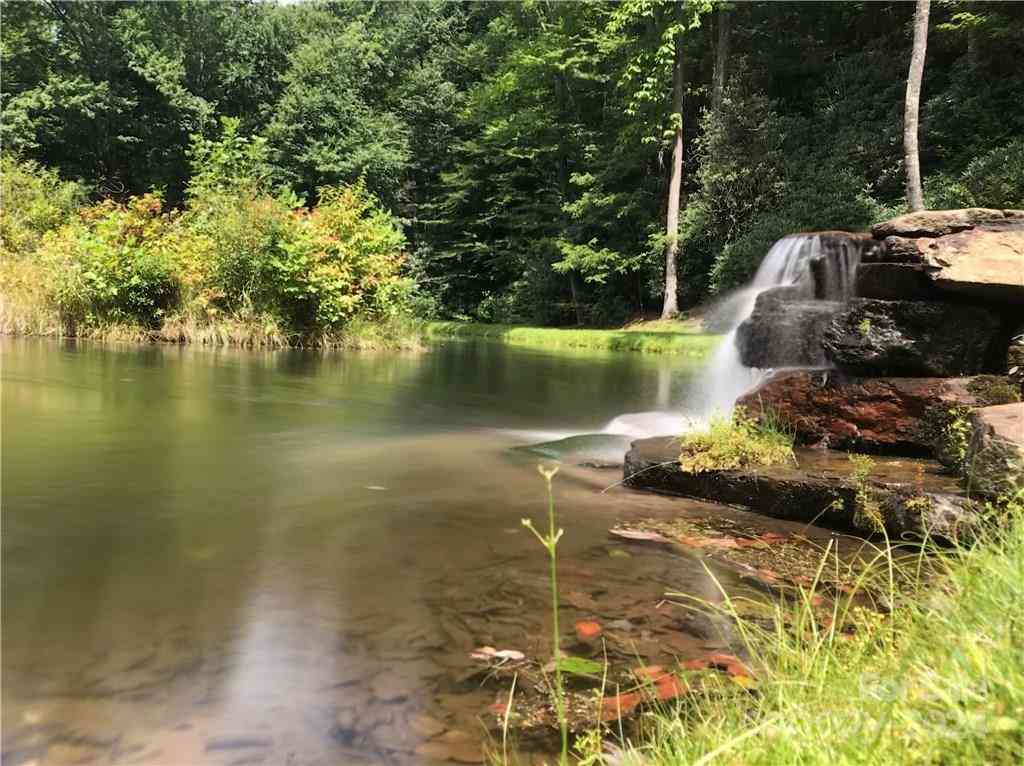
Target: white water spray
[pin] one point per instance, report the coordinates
(790, 262)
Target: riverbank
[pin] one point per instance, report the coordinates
(934, 678)
(677, 337)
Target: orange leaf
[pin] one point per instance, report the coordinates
(670, 687)
(650, 672)
(615, 707)
(588, 630)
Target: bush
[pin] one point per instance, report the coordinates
(113, 264)
(737, 442)
(993, 179)
(33, 200)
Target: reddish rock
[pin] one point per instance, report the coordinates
(874, 414)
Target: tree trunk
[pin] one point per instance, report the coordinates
(675, 186)
(721, 59)
(574, 289)
(915, 197)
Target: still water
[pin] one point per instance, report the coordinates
(286, 558)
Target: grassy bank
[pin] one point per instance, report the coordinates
(686, 340)
(938, 679)
(25, 311)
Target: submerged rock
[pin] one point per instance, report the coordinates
(601, 450)
(995, 459)
(821, 489)
(911, 338)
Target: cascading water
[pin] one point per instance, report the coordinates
(816, 267)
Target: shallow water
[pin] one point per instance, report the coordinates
(241, 557)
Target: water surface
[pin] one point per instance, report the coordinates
(238, 557)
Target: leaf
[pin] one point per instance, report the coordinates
(488, 653)
(669, 687)
(613, 708)
(639, 536)
(650, 673)
(577, 666)
(588, 630)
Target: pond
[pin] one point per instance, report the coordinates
(234, 557)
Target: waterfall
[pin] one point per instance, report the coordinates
(817, 267)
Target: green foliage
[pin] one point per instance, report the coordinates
(33, 200)
(114, 264)
(523, 146)
(738, 442)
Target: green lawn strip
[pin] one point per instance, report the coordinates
(686, 343)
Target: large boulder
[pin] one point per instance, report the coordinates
(995, 459)
(785, 330)
(911, 338)
(936, 223)
(979, 263)
(905, 416)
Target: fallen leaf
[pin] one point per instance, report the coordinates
(577, 666)
(488, 653)
(588, 630)
(774, 537)
(669, 687)
(613, 708)
(730, 663)
(649, 672)
(639, 535)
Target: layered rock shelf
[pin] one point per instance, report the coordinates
(916, 352)
(820, 487)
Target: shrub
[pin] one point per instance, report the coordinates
(113, 263)
(738, 442)
(33, 200)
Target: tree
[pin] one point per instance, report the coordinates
(670, 308)
(915, 196)
(722, 23)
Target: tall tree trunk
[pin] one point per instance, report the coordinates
(675, 186)
(721, 58)
(915, 197)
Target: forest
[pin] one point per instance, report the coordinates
(300, 165)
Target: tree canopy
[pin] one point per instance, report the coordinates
(526, 147)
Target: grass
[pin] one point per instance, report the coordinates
(736, 442)
(688, 342)
(938, 678)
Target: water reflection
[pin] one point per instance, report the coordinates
(224, 557)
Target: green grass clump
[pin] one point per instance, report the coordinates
(694, 344)
(938, 677)
(737, 442)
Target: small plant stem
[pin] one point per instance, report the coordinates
(555, 635)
